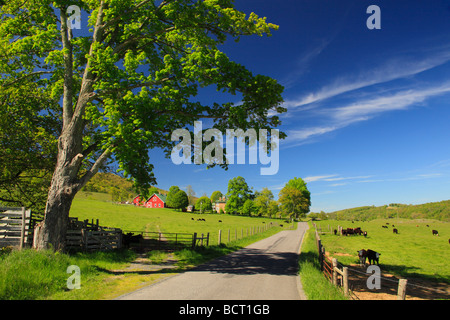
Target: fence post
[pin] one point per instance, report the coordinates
(22, 231)
(207, 239)
(319, 244)
(334, 271)
(345, 279)
(220, 237)
(401, 294)
(194, 240)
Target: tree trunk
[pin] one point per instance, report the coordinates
(51, 232)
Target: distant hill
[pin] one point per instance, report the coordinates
(433, 210)
(120, 189)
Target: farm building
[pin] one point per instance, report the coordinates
(137, 201)
(156, 201)
(220, 204)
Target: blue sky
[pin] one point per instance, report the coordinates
(368, 110)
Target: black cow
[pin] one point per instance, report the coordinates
(370, 255)
(335, 231)
(395, 231)
(129, 238)
(435, 233)
(365, 233)
(373, 256)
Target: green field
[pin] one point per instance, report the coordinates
(413, 252)
(131, 218)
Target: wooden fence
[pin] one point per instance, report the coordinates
(15, 228)
(338, 274)
(166, 241)
(83, 235)
(330, 267)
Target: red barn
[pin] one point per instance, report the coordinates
(137, 200)
(156, 201)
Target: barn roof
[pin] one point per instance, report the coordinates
(161, 196)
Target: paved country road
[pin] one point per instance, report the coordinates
(265, 270)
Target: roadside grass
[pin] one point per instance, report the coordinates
(33, 275)
(413, 252)
(39, 275)
(315, 285)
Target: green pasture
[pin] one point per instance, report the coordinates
(413, 252)
(131, 218)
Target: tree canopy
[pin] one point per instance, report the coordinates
(295, 198)
(238, 193)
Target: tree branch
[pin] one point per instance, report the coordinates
(26, 76)
(90, 173)
(68, 70)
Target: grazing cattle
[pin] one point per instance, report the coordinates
(129, 238)
(428, 226)
(362, 254)
(385, 227)
(357, 231)
(395, 231)
(335, 231)
(220, 220)
(373, 256)
(281, 225)
(192, 219)
(365, 233)
(435, 233)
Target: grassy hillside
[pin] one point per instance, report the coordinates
(433, 210)
(413, 252)
(131, 218)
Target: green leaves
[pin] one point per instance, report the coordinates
(135, 78)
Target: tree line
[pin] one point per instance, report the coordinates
(293, 202)
(433, 210)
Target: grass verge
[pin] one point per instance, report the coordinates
(40, 275)
(315, 285)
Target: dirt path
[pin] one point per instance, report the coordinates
(416, 289)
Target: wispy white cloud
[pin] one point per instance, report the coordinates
(364, 110)
(395, 68)
(333, 177)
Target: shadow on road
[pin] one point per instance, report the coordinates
(253, 261)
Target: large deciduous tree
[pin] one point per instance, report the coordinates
(295, 198)
(126, 81)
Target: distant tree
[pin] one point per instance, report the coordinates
(171, 196)
(203, 204)
(152, 190)
(190, 193)
(272, 208)
(216, 195)
(262, 201)
(180, 200)
(249, 208)
(295, 198)
(238, 193)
